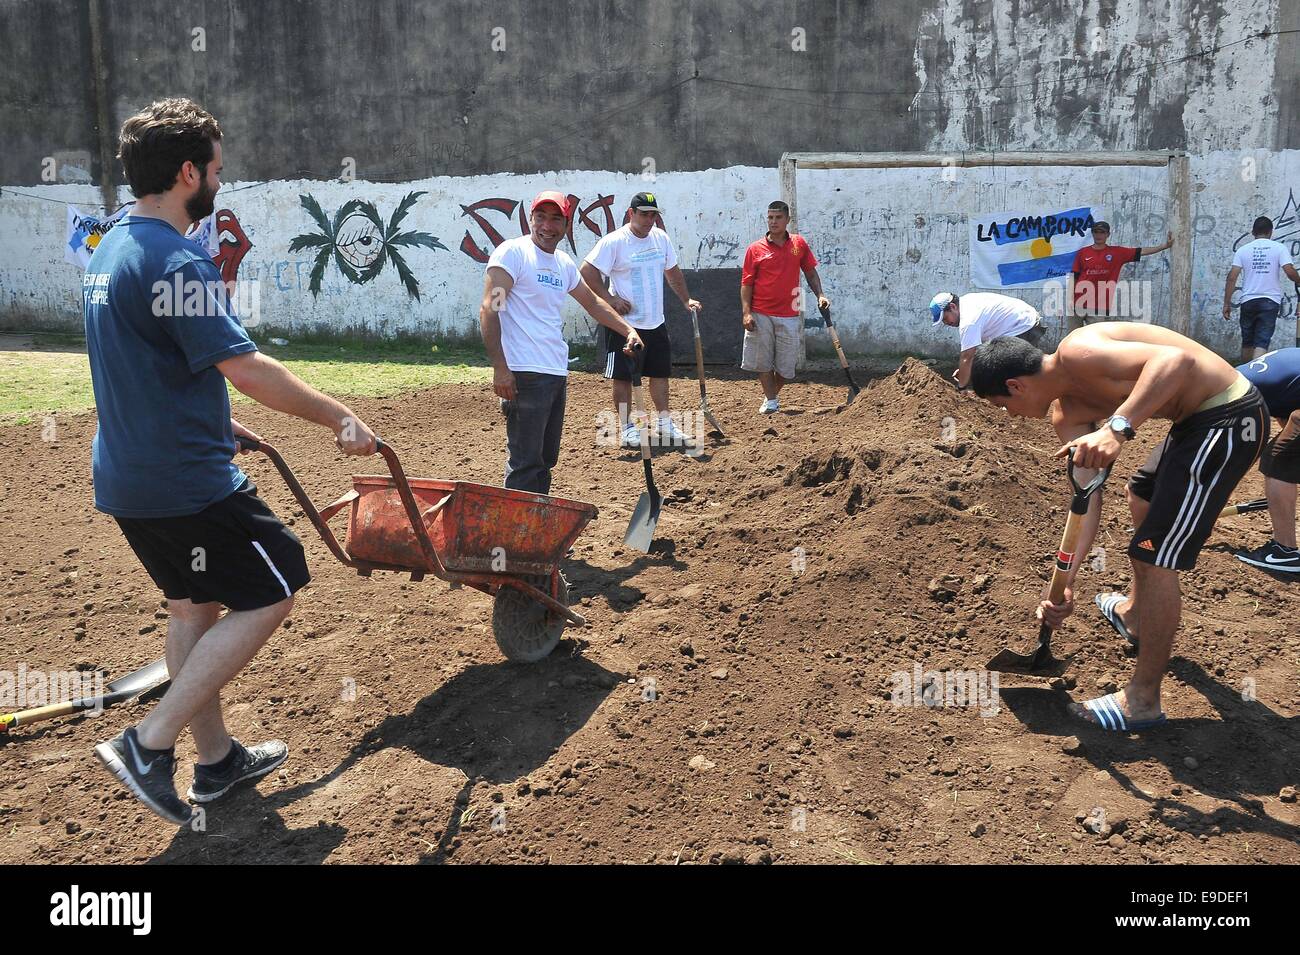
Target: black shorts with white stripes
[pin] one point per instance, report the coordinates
(234, 552)
(1191, 474)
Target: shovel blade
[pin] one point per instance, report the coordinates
(1036, 664)
(853, 393)
(146, 678)
(641, 530)
(713, 422)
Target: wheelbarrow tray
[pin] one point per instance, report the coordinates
(474, 528)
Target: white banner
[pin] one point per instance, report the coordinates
(1028, 247)
(84, 233)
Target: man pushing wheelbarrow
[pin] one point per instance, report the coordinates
(162, 455)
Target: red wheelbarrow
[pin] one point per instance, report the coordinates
(503, 542)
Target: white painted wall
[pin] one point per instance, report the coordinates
(888, 239)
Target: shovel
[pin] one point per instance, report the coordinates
(1041, 660)
(123, 688)
(699, 366)
(1245, 507)
(839, 350)
(641, 530)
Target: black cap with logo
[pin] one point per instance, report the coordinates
(644, 202)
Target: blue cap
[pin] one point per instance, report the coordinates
(938, 304)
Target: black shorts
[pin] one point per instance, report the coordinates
(1189, 477)
(1281, 459)
(234, 552)
(658, 354)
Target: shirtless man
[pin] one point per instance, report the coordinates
(1102, 384)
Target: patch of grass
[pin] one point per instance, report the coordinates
(36, 383)
(49, 373)
(379, 369)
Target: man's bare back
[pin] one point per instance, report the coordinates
(1103, 362)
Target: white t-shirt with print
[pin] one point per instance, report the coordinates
(988, 315)
(1261, 264)
(636, 269)
(532, 317)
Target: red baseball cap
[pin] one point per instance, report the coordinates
(560, 199)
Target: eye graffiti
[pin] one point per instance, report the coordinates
(360, 243)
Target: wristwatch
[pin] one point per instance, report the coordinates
(1122, 427)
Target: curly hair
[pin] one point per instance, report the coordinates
(157, 141)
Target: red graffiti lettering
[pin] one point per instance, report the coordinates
(503, 206)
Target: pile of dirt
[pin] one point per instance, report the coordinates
(741, 694)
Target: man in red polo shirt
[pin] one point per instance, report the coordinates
(1096, 269)
(769, 298)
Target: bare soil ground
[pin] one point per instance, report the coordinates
(732, 699)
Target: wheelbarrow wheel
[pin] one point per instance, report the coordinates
(524, 629)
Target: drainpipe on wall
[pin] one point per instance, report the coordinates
(104, 135)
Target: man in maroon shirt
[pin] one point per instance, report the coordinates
(1096, 269)
(769, 298)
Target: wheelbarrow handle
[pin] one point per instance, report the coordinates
(322, 527)
(412, 508)
(300, 495)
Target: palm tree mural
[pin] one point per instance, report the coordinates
(360, 243)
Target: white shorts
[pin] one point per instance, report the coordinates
(773, 345)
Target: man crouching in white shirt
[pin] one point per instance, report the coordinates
(982, 317)
(522, 321)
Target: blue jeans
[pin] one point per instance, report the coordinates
(1258, 320)
(534, 424)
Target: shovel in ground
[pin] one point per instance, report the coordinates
(699, 366)
(123, 688)
(839, 350)
(1041, 661)
(641, 530)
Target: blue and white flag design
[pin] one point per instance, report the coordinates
(1025, 249)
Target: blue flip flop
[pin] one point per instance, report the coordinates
(1108, 604)
(1110, 716)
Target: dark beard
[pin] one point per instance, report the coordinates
(200, 205)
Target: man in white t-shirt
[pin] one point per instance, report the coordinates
(637, 259)
(982, 317)
(1259, 264)
(522, 321)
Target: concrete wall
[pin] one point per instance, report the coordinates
(412, 96)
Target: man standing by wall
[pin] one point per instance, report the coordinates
(1094, 273)
(638, 258)
(522, 321)
(1259, 264)
(162, 343)
(769, 300)
(982, 317)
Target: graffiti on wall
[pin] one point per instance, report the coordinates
(360, 243)
(232, 245)
(224, 238)
(597, 217)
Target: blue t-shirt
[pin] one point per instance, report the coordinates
(157, 322)
(1277, 376)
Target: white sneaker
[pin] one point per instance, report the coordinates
(631, 437)
(770, 406)
(670, 436)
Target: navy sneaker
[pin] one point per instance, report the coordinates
(1273, 556)
(147, 773)
(213, 782)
